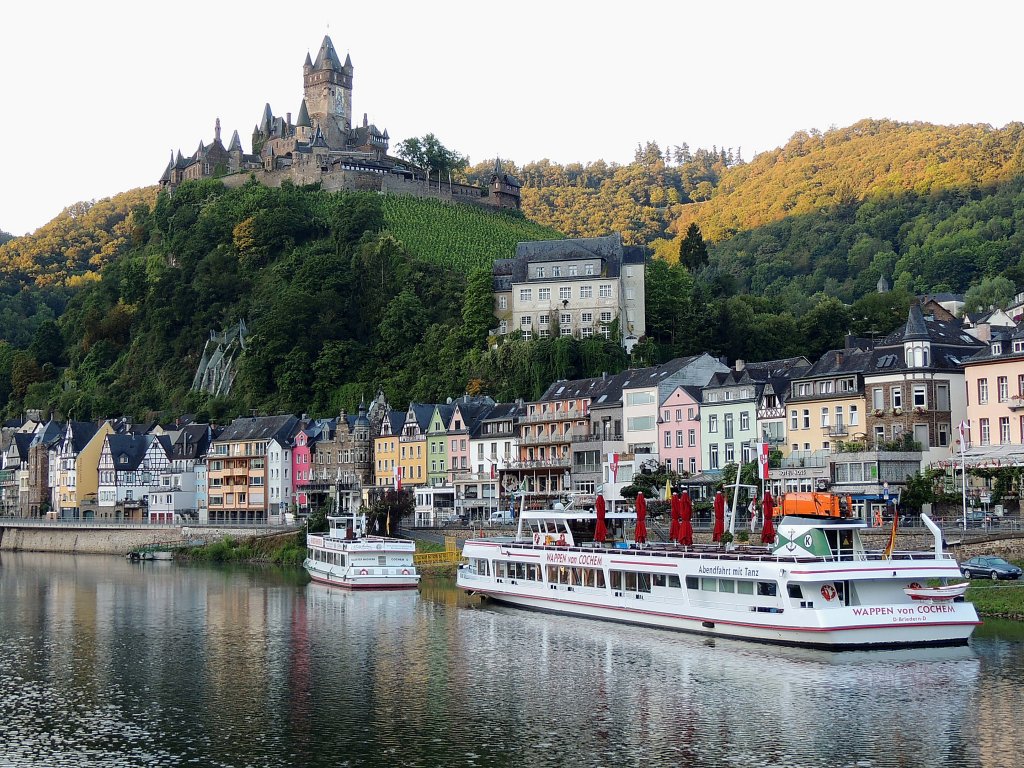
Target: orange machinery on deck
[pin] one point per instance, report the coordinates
(814, 504)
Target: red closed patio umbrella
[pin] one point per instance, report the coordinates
(685, 516)
(768, 531)
(719, 529)
(641, 519)
(674, 511)
(600, 534)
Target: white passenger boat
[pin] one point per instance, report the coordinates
(818, 586)
(347, 557)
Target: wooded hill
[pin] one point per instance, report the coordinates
(106, 311)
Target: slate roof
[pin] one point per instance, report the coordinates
(608, 249)
(280, 428)
(132, 448)
(81, 433)
(1007, 337)
(302, 121)
(950, 344)
(23, 441)
(327, 57)
(191, 442)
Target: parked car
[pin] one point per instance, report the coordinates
(989, 567)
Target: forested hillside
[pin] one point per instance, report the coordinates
(105, 310)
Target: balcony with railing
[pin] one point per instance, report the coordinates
(1015, 403)
(548, 439)
(558, 462)
(561, 414)
(839, 430)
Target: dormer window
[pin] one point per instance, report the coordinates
(122, 459)
(997, 347)
(1018, 346)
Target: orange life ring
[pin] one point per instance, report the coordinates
(405, 571)
(828, 592)
(364, 572)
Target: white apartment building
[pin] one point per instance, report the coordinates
(571, 288)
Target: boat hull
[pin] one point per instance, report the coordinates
(366, 582)
(948, 633)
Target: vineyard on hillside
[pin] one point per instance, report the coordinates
(457, 235)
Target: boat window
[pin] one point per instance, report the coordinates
(578, 576)
(341, 558)
(709, 584)
(599, 578)
(481, 568)
(692, 582)
(643, 582)
(660, 579)
(795, 592)
(631, 581)
(745, 587)
(673, 581)
(532, 572)
(767, 588)
(616, 579)
(726, 585)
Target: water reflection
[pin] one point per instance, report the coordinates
(104, 662)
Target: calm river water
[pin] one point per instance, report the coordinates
(108, 663)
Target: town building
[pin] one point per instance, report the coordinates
(251, 456)
(583, 287)
(679, 430)
(178, 497)
(995, 400)
(130, 467)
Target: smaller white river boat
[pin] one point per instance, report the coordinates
(348, 557)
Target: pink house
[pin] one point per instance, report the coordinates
(302, 466)
(679, 430)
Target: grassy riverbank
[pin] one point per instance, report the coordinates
(997, 599)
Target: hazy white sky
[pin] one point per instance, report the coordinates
(93, 96)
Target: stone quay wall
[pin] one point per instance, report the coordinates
(83, 538)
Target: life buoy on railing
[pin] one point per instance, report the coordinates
(913, 585)
(405, 571)
(828, 592)
(364, 572)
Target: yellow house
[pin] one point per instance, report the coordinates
(826, 406)
(78, 462)
(385, 450)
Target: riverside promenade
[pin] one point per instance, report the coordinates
(101, 537)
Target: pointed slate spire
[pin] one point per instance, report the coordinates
(348, 63)
(303, 119)
(327, 57)
(236, 143)
(308, 62)
(267, 119)
(916, 328)
(167, 171)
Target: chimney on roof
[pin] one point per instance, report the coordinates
(740, 365)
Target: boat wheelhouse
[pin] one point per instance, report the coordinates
(818, 586)
(347, 557)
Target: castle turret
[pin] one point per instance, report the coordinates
(216, 132)
(328, 93)
(303, 127)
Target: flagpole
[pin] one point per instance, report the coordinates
(963, 471)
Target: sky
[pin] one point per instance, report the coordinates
(94, 96)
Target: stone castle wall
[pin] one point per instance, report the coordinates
(365, 181)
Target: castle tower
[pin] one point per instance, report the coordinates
(327, 85)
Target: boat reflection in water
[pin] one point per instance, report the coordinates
(720, 701)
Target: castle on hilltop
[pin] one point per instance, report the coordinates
(322, 147)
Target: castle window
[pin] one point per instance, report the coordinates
(588, 269)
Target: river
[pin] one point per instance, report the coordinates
(110, 663)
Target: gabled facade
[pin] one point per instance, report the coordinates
(679, 430)
(178, 497)
(386, 450)
(130, 467)
(77, 464)
(437, 444)
(729, 406)
(412, 444)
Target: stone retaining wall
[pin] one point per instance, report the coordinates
(107, 541)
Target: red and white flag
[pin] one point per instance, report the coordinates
(398, 478)
(762, 457)
(613, 464)
(965, 426)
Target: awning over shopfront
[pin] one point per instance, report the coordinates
(986, 457)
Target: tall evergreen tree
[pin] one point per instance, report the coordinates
(693, 251)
